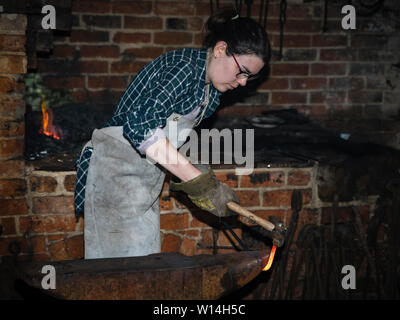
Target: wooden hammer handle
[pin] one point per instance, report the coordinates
(248, 214)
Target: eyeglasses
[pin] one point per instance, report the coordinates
(243, 74)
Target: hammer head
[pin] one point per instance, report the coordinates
(278, 234)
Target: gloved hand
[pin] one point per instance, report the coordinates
(207, 193)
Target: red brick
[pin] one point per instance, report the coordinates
(12, 43)
(107, 82)
(88, 36)
(306, 26)
(43, 184)
(12, 188)
(336, 54)
(136, 37)
(166, 203)
(278, 198)
(294, 26)
(275, 84)
(75, 247)
(170, 243)
(64, 82)
(38, 244)
(127, 67)
(144, 52)
(248, 198)
(292, 41)
(5, 243)
(181, 8)
(13, 207)
(195, 24)
(93, 66)
(172, 38)
(11, 148)
(308, 83)
(263, 179)
(13, 64)
(11, 108)
(12, 168)
(319, 40)
(14, 22)
(63, 51)
(42, 257)
(69, 182)
(7, 84)
(190, 233)
(84, 6)
(58, 251)
(51, 223)
(288, 97)
(10, 128)
(100, 51)
(8, 225)
(197, 42)
(53, 205)
(172, 221)
(229, 178)
(299, 178)
(132, 7)
(314, 111)
(329, 97)
(187, 247)
(206, 237)
(328, 69)
(282, 198)
(289, 69)
(143, 23)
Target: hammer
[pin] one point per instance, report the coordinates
(276, 232)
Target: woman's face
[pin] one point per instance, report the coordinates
(222, 69)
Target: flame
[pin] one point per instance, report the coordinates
(47, 122)
(270, 259)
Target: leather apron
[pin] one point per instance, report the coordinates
(122, 206)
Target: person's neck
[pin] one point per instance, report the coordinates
(208, 60)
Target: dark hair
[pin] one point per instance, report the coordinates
(243, 35)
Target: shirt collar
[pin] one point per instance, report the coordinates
(202, 59)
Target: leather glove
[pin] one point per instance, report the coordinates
(207, 193)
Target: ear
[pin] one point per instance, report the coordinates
(220, 49)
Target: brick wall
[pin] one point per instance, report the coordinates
(346, 80)
(44, 225)
(13, 187)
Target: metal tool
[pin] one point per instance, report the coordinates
(276, 231)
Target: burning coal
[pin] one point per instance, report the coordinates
(48, 128)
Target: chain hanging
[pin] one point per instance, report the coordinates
(282, 21)
(212, 5)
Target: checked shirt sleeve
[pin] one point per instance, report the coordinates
(157, 102)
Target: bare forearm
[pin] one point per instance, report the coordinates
(164, 153)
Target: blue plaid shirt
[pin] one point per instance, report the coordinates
(174, 82)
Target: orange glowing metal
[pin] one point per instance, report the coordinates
(270, 259)
(47, 123)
